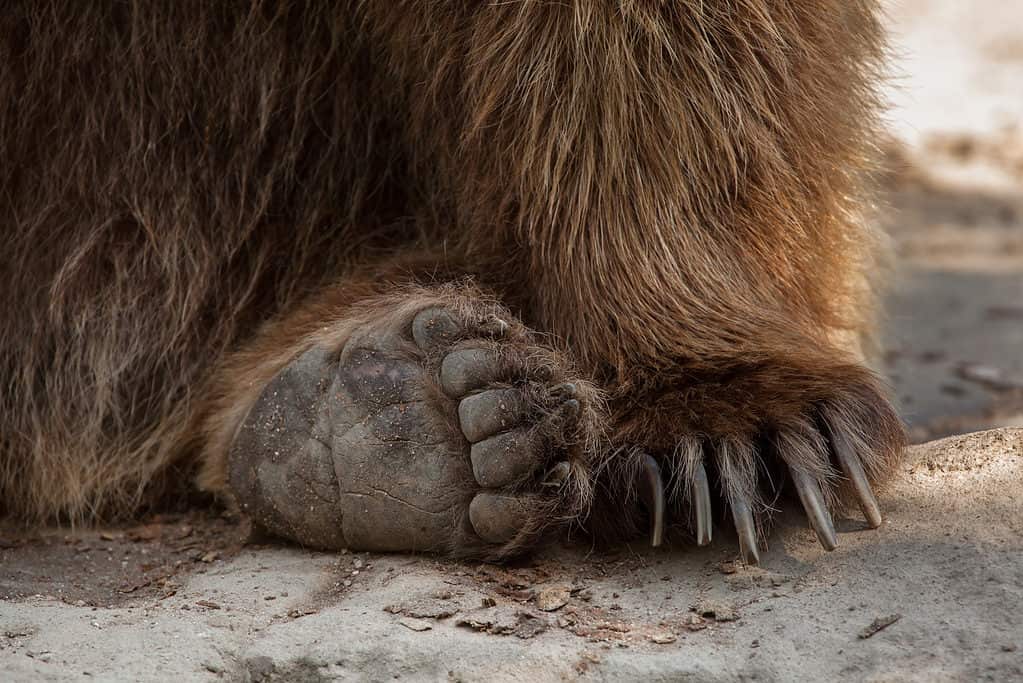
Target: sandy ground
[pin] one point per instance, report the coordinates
(935, 594)
(954, 206)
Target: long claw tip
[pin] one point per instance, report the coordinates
(651, 490)
(746, 529)
(853, 469)
(874, 521)
(816, 511)
(701, 499)
(751, 556)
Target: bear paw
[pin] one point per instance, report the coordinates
(444, 427)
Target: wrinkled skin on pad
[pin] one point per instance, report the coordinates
(448, 435)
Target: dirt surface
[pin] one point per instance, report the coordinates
(935, 594)
(107, 567)
(954, 206)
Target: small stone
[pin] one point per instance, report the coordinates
(879, 624)
(260, 668)
(716, 610)
(663, 638)
(990, 377)
(489, 602)
(296, 614)
(694, 622)
(551, 599)
(415, 624)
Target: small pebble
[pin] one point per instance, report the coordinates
(551, 599)
(415, 624)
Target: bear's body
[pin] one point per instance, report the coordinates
(194, 195)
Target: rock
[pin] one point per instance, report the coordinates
(422, 609)
(879, 624)
(717, 610)
(551, 599)
(415, 624)
(989, 376)
(260, 668)
(694, 622)
(967, 452)
(520, 623)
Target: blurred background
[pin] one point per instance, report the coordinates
(953, 203)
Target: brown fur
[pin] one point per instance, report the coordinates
(669, 190)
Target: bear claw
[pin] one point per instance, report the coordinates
(746, 529)
(651, 492)
(701, 499)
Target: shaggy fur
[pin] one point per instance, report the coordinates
(669, 190)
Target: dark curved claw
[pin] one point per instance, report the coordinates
(854, 470)
(747, 531)
(651, 492)
(816, 511)
(701, 501)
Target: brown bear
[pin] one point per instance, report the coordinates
(440, 276)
